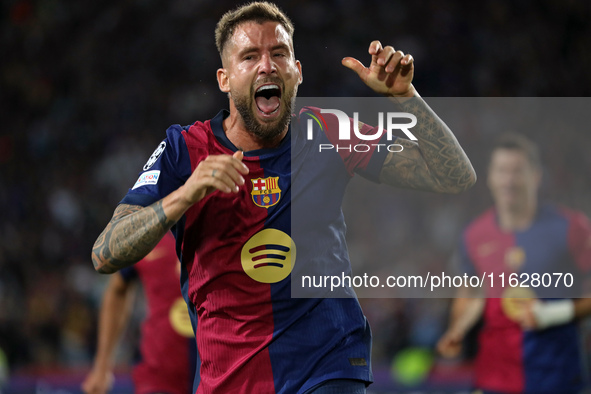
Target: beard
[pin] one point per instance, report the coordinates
(266, 132)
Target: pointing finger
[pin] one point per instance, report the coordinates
(354, 65)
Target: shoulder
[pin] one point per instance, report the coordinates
(577, 220)
(195, 139)
(564, 211)
(198, 133)
(174, 141)
(551, 212)
(189, 134)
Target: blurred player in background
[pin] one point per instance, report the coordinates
(526, 344)
(167, 345)
(226, 185)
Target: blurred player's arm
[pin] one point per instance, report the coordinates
(466, 310)
(436, 162)
(544, 314)
(135, 230)
(113, 318)
(539, 315)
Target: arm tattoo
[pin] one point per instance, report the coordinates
(130, 235)
(436, 163)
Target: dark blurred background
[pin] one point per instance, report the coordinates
(87, 90)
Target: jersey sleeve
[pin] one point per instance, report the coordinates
(365, 157)
(372, 168)
(166, 170)
(579, 240)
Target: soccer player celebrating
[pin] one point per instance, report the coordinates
(167, 346)
(526, 344)
(224, 187)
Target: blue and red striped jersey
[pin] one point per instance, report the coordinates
(238, 253)
(511, 359)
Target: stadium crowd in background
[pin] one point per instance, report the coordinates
(86, 90)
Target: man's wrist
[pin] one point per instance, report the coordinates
(401, 99)
(411, 92)
(553, 313)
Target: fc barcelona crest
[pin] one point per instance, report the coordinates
(515, 257)
(265, 191)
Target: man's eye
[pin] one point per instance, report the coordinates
(279, 55)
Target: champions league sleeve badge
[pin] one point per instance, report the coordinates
(154, 158)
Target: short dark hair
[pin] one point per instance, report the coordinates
(519, 142)
(259, 12)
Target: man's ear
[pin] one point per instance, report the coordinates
(299, 66)
(223, 82)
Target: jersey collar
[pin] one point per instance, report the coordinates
(219, 133)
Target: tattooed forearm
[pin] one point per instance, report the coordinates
(407, 169)
(130, 235)
(437, 163)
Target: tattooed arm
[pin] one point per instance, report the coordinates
(436, 163)
(130, 235)
(135, 230)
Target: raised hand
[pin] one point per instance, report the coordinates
(450, 344)
(98, 382)
(390, 72)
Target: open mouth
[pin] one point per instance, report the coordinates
(268, 98)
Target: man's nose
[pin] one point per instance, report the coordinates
(267, 65)
(511, 180)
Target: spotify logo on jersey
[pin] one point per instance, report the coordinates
(179, 318)
(268, 256)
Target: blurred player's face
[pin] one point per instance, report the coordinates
(261, 74)
(512, 179)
